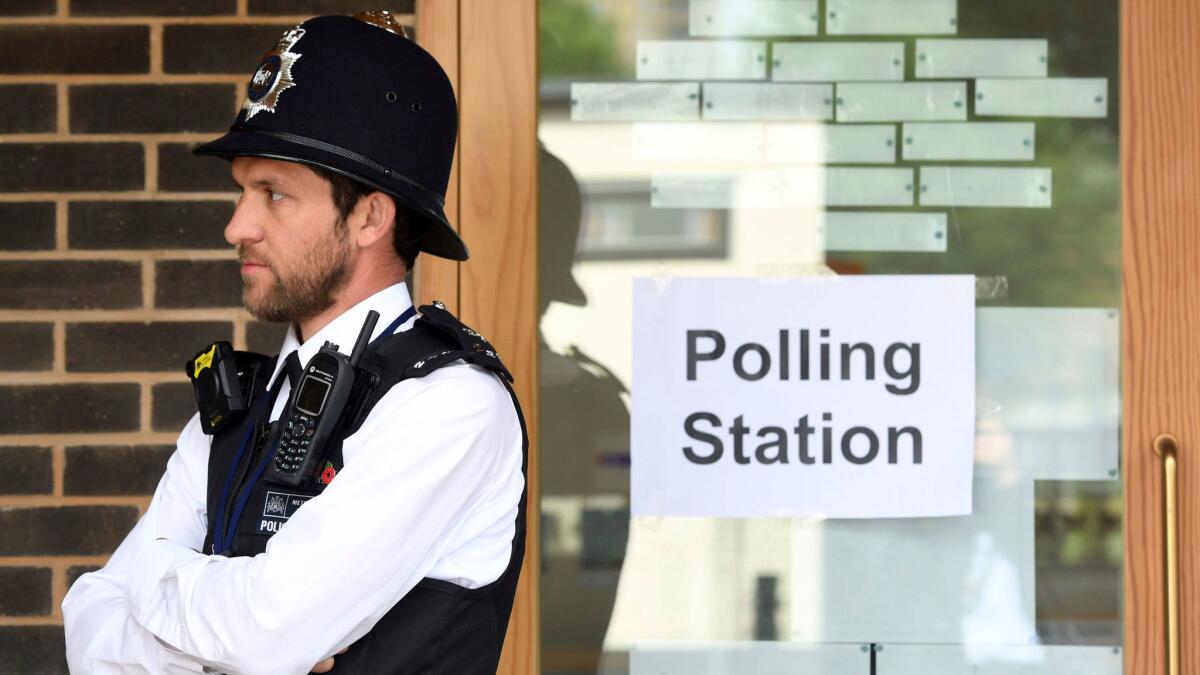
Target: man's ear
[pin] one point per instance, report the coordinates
(378, 212)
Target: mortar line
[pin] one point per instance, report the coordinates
(59, 336)
(62, 122)
(58, 465)
(61, 228)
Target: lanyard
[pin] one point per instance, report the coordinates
(391, 328)
(224, 541)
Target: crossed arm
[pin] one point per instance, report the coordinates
(414, 472)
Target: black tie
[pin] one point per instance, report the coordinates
(294, 370)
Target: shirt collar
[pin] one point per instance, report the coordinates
(390, 302)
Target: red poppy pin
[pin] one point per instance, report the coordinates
(328, 474)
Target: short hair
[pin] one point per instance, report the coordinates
(408, 229)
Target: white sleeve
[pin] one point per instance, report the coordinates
(102, 636)
(431, 451)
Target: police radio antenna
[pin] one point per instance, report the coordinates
(364, 336)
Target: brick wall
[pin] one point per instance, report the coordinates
(113, 267)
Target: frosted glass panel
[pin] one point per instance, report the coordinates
(701, 60)
(1053, 97)
(837, 61)
(831, 144)
(1048, 392)
(969, 141)
(802, 186)
(998, 660)
(629, 101)
(715, 190)
(902, 101)
(982, 58)
(875, 231)
(963, 186)
(762, 101)
(891, 17)
(697, 141)
(716, 18)
(958, 580)
(761, 658)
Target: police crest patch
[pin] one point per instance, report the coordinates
(273, 76)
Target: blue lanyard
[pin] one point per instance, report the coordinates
(223, 543)
(391, 328)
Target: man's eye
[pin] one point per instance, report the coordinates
(275, 196)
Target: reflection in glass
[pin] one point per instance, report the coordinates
(969, 141)
(974, 186)
(837, 61)
(755, 101)
(891, 17)
(1052, 97)
(901, 102)
(1030, 583)
(632, 101)
(701, 60)
(728, 18)
(982, 58)
(884, 231)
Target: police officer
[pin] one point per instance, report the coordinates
(403, 554)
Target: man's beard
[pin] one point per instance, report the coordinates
(310, 289)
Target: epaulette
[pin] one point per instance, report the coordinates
(437, 338)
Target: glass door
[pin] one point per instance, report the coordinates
(791, 139)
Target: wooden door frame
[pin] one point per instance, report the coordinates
(488, 49)
(1160, 175)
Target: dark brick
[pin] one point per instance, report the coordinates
(76, 571)
(306, 7)
(26, 346)
(148, 225)
(74, 49)
(26, 226)
(181, 171)
(139, 346)
(28, 108)
(264, 337)
(68, 408)
(115, 469)
(33, 650)
(27, 471)
(28, 7)
(201, 48)
(152, 7)
(63, 167)
(198, 283)
(64, 530)
(172, 405)
(151, 108)
(70, 284)
(24, 591)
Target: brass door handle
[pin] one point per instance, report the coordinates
(1167, 447)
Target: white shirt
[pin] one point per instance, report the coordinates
(430, 488)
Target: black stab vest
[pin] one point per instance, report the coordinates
(438, 627)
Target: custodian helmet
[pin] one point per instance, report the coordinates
(351, 96)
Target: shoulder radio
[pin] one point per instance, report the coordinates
(316, 409)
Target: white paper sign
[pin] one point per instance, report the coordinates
(839, 397)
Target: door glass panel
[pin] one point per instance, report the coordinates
(787, 138)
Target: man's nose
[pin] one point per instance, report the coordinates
(243, 227)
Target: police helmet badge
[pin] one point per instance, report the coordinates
(273, 76)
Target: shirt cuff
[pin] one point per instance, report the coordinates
(155, 562)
